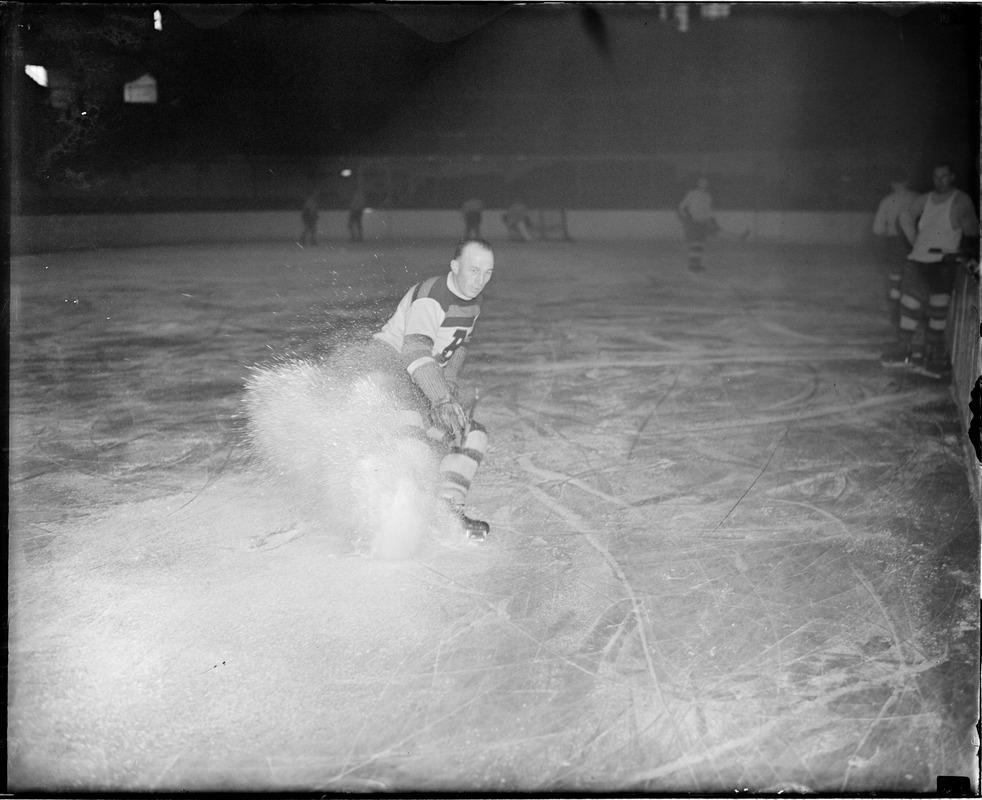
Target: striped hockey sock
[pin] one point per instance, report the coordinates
(458, 468)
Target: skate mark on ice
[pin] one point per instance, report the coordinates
(753, 483)
(840, 410)
(814, 485)
(651, 339)
(210, 478)
(844, 530)
(544, 429)
(357, 784)
(581, 528)
(609, 629)
(454, 585)
(558, 477)
(755, 663)
(855, 761)
(500, 609)
(647, 419)
(394, 749)
(897, 641)
(777, 327)
(275, 539)
(801, 397)
(347, 768)
(740, 356)
(155, 783)
(813, 709)
(664, 497)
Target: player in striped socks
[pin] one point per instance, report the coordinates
(939, 223)
(425, 341)
(696, 213)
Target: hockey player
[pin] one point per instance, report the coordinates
(356, 210)
(308, 216)
(472, 211)
(696, 213)
(425, 343)
(517, 220)
(938, 224)
(891, 242)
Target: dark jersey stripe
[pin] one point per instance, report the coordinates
(451, 304)
(423, 289)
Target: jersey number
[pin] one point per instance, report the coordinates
(458, 339)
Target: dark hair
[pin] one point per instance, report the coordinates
(464, 242)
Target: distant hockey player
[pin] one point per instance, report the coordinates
(518, 222)
(471, 211)
(698, 222)
(355, 212)
(890, 242)
(938, 223)
(424, 345)
(308, 216)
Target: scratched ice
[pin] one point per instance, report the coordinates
(728, 550)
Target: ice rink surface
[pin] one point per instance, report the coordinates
(729, 550)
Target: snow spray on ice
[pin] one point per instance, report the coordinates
(331, 441)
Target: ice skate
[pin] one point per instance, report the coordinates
(897, 356)
(934, 365)
(474, 529)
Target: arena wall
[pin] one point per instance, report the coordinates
(31, 234)
(964, 325)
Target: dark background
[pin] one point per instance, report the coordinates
(892, 85)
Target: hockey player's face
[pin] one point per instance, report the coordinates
(472, 271)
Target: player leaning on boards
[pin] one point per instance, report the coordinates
(429, 331)
(939, 223)
(890, 243)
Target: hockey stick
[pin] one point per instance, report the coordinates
(725, 234)
(716, 228)
(470, 411)
(967, 260)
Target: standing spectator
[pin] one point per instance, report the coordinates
(518, 222)
(696, 213)
(890, 242)
(308, 215)
(472, 217)
(936, 223)
(355, 212)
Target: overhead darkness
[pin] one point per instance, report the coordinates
(504, 78)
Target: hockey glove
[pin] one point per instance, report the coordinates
(450, 416)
